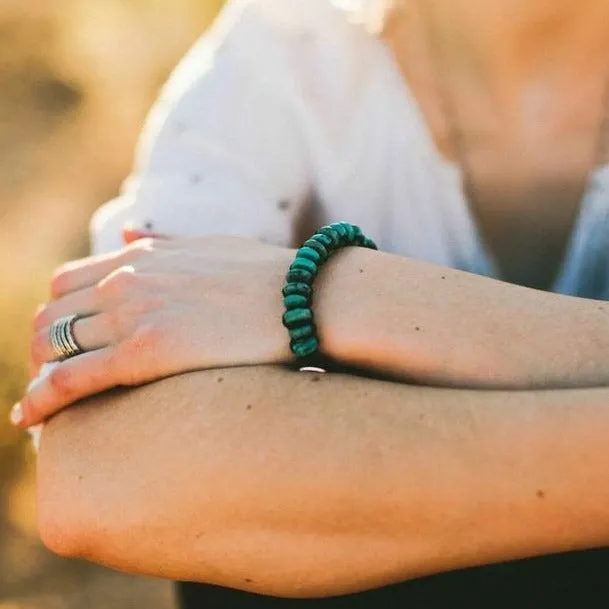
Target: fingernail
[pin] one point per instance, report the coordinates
(17, 414)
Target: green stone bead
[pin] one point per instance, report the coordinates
(318, 247)
(359, 235)
(304, 264)
(301, 289)
(369, 244)
(297, 317)
(296, 302)
(350, 232)
(332, 234)
(326, 241)
(305, 348)
(341, 230)
(302, 332)
(310, 254)
(300, 276)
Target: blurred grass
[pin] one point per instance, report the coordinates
(76, 80)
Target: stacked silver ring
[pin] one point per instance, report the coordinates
(63, 342)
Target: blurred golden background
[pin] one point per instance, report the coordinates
(77, 78)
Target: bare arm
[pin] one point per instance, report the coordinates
(298, 485)
(216, 302)
(446, 327)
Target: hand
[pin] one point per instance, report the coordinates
(161, 307)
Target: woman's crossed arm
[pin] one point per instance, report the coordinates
(300, 484)
(159, 308)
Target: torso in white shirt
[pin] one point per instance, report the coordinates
(288, 115)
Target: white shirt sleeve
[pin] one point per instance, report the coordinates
(221, 152)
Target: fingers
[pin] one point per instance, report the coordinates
(87, 272)
(131, 234)
(91, 333)
(70, 381)
(108, 312)
(83, 302)
(84, 273)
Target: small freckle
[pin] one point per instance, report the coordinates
(248, 581)
(220, 379)
(148, 226)
(421, 417)
(443, 276)
(283, 205)
(249, 407)
(417, 329)
(541, 495)
(361, 270)
(80, 477)
(315, 379)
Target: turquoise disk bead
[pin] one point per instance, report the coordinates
(341, 230)
(369, 244)
(310, 254)
(350, 232)
(296, 302)
(302, 289)
(328, 231)
(300, 276)
(318, 247)
(297, 317)
(302, 332)
(359, 235)
(304, 264)
(306, 347)
(326, 241)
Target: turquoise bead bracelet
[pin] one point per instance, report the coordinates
(298, 291)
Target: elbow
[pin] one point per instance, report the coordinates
(59, 504)
(58, 535)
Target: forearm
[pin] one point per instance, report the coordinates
(302, 485)
(441, 326)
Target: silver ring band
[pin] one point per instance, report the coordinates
(63, 342)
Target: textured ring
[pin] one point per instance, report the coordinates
(63, 342)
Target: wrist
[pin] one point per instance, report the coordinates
(343, 305)
(398, 317)
(282, 353)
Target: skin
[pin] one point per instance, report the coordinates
(297, 485)
(525, 82)
(527, 467)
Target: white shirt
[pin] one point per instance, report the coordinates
(288, 114)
